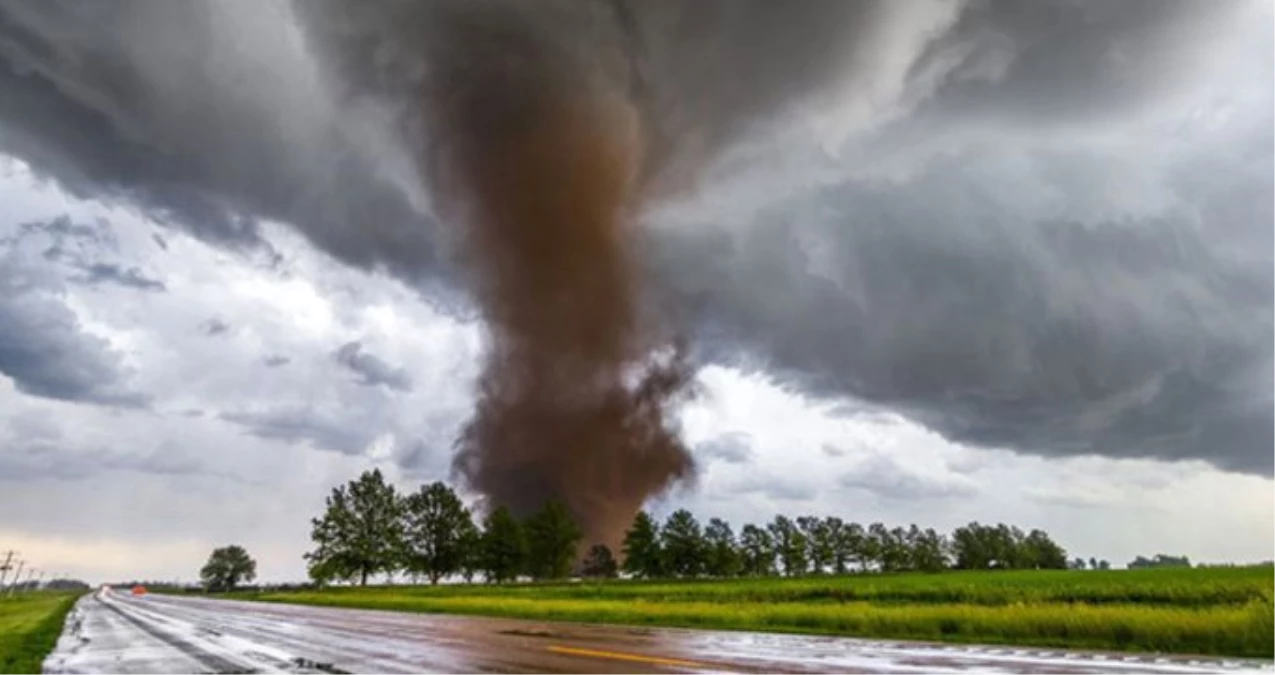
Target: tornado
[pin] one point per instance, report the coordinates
(542, 131)
(538, 161)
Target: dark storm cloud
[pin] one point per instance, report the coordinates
(44, 348)
(371, 369)
(887, 478)
(733, 448)
(1137, 338)
(1137, 332)
(1061, 61)
(207, 116)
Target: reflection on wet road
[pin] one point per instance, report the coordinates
(152, 634)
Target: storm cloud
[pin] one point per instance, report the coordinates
(45, 348)
(371, 369)
(1028, 226)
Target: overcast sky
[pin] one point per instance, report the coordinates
(1013, 265)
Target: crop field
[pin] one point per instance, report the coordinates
(1218, 611)
(29, 627)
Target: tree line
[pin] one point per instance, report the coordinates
(367, 528)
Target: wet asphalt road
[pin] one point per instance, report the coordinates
(117, 633)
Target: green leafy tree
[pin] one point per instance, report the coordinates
(929, 550)
(839, 554)
(790, 545)
(642, 555)
(820, 547)
(503, 547)
(683, 544)
(722, 559)
(1160, 560)
(360, 533)
(552, 537)
(226, 567)
(1040, 552)
(437, 531)
(756, 551)
(471, 545)
(599, 563)
(851, 546)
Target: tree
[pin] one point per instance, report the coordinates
(438, 532)
(683, 543)
(1160, 560)
(503, 547)
(756, 551)
(840, 554)
(359, 534)
(851, 547)
(896, 556)
(1038, 551)
(790, 545)
(1104, 565)
(722, 555)
(226, 567)
(929, 550)
(820, 548)
(471, 554)
(1093, 563)
(552, 537)
(642, 555)
(599, 563)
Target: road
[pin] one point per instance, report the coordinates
(117, 633)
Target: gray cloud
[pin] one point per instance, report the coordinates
(38, 458)
(131, 277)
(45, 350)
(1142, 337)
(887, 478)
(267, 143)
(276, 360)
(732, 448)
(371, 369)
(214, 326)
(1057, 62)
(296, 425)
(1128, 315)
(783, 488)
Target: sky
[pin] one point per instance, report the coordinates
(987, 262)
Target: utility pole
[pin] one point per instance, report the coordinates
(4, 569)
(16, 577)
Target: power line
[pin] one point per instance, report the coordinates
(16, 577)
(4, 569)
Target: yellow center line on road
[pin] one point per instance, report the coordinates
(622, 656)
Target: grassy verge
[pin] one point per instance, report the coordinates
(30, 624)
(1205, 611)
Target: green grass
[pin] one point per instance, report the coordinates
(1196, 611)
(29, 627)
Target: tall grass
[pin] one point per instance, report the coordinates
(30, 624)
(1208, 611)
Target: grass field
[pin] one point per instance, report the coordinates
(29, 627)
(1222, 611)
